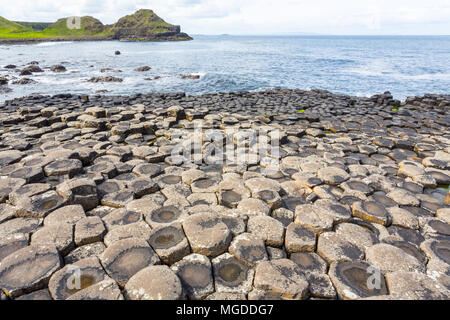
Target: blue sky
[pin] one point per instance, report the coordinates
(365, 17)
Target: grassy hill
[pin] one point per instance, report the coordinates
(38, 26)
(7, 26)
(144, 25)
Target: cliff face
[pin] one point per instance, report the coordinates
(145, 25)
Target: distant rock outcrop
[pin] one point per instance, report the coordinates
(145, 25)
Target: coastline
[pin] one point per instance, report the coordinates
(34, 41)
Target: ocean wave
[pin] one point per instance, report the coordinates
(400, 76)
(51, 43)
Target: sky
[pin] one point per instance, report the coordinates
(251, 17)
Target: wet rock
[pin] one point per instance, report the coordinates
(120, 217)
(118, 199)
(142, 69)
(80, 191)
(58, 68)
(357, 235)
(105, 79)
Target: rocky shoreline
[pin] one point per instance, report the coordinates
(353, 204)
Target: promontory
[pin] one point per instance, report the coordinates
(143, 25)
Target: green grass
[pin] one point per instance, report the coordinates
(7, 26)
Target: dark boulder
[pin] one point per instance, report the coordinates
(142, 69)
(190, 76)
(58, 68)
(24, 81)
(105, 79)
(33, 68)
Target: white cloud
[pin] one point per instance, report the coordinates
(256, 16)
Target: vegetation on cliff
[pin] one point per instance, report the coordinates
(144, 25)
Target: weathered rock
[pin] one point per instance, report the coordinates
(371, 211)
(313, 217)
(230, 275)
(103, 290)
(89, 230)
(124, 258)
(154, 283)
(207, 234)
(248, 248)
(333, 247)
(356, 279)
(170, 243)
(281, 277)
(86, 251)
(415, 286)
(299, 239)
(69, 214)
(59, 235)
(39, 206)
(195, 273)
(268, 229)
(28, 269)
(389, 258)
(75, 277)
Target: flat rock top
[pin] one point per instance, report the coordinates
(172, 197)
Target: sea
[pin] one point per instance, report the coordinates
(351, 65)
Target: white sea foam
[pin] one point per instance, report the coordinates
(52, 43)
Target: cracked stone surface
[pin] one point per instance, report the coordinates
(361, 189)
